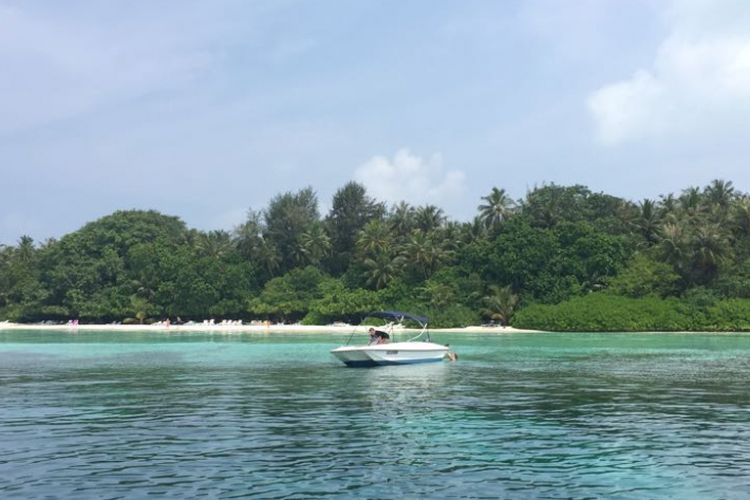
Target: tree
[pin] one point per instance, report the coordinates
(288, 297)
(401, 219)
(645, 276)
(248, 236)
(315, 244)
(498, 206)
(382, 269)
(428, 218)
(719, 193)
(374, 239)
(690, 201)
(648, 222)
(288, 216)
(500, 304)
(351, 210)
(423, 253)
(710, 248)
(214, 244)
(674, 246)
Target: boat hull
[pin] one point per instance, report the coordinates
(397, 353)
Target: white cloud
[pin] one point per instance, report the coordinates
(699, 80)
(411, 178)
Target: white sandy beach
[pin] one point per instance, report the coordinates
(249, 328)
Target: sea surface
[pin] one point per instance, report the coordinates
(186, 415)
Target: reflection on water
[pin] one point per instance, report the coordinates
(539, 416)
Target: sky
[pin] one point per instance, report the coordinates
(204, 110)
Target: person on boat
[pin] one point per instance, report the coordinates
(374, 339)
(377, 337)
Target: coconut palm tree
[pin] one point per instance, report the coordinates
(25, 251)
(382, 269)
(741, 216)
(248, 237)
(720, 193)
(673, 244)
(269, 256)
(690, 201)
(423, 253)
(315, 244)
(710, 247)
(214, 244)
(374, 238)
(498, 206)
(500, 304)
(438, 295)
(429, 217)
(401, 220)
(648, 221)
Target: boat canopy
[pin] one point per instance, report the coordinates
(398, 316)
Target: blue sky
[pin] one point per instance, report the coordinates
(206, 109)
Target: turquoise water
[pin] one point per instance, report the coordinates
(130, 415)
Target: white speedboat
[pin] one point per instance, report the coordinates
(393, 353)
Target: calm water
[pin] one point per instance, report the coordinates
(112, 415)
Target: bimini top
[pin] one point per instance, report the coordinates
(398, 316)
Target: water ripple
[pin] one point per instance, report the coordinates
(544, 417)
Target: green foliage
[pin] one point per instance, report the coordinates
(605, 312)
(453, 316)
(287, 218)
(351, 210)
(547, 265)
(645, 276)
(288, 297)
(500, 304)
(339, 302)
(561, 258)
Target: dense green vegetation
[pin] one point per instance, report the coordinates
(562, 258)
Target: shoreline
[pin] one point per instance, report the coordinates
(341, 329)
(228, 328)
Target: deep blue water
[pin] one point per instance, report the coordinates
(131, 415)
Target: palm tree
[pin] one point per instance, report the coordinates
(741, 216)
(500, 304)
(498, 206)
(438, 295)
(315, 244)
(140, 307)
(429, 217)
(248, 237)
(269, 256)
(673, 244)
(710, 247)
(667, 204)
(401, 220)
(690, 201)
(382, 269)
(214, 244)
(423, 253)
(720, 193)
(648, 221)
(25, 249)
(473, 231)
(374, 239)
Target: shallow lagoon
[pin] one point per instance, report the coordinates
(110, 415)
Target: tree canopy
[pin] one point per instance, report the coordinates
(558, 245)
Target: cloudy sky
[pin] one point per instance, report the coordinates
(205, 109)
